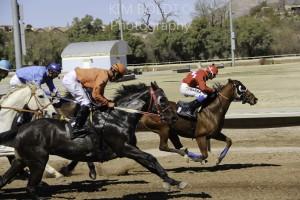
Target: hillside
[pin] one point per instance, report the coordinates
(242, 7)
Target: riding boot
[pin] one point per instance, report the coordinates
(193, 105)
(80, 120)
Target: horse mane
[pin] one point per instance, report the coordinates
(126, 90)
(218, 86)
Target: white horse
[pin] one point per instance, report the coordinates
(27, 98)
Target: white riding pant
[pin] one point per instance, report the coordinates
(75, 88)
(15, 81)
(186, 90)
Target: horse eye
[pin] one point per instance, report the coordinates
(162, 100)
(242, 88)
(41, 96)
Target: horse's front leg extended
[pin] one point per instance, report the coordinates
(221, 137)
(151, 163)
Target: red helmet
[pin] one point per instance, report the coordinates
(212, 69)
(119, 67)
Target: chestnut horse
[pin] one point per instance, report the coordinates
(209, 123)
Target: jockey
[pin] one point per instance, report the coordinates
(38, 75)
(95, 79)
(4, 68)
(194, 84)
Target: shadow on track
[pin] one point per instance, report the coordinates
(220, 167)
(79, 186)
(160, 196)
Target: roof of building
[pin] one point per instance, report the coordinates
(99, 48)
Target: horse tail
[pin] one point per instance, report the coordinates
(7, 136)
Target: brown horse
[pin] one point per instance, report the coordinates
(209, 123)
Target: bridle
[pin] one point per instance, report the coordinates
(38, 112)
(154, 100)
(237, 87)
(41, 108)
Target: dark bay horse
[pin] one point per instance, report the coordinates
(112, 134)
(209, 124)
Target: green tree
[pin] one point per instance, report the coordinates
(138, 54)
(45, 47)
(253, 37)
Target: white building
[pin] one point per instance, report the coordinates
(101, 54)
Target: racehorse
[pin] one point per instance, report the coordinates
(209, 123)
(27, 101)
(111, 135)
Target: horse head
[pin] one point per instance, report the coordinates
(161, 104)
(241, 93)
(39, 101)
(150, 99)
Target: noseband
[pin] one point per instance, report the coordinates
(38, 112)
(235, 87)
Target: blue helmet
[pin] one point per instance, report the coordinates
(5, 65)
(54, 67)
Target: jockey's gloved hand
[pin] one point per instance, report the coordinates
(111, 105)
(53, 94)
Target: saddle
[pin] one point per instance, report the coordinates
(183, 107)
(87, 125)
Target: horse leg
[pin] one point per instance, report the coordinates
(67, 170)
(92, 173)
(151, 163)
(202, 144)
(221, 137)
(16, 167)
(163, 143)
(49, 169)
(36, 168)
(23, 174)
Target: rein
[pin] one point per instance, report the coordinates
(222, 95)
(38, 112)
(154, 100)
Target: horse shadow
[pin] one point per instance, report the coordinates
(77, 186)
(223, 167)
(160, 196)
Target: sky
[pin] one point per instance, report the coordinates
(44, 13)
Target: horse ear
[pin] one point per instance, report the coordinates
(154, 85)
(229, 80)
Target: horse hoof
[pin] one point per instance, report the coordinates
(182, 185)
(65, 171)
(93, 175)
(166, 186)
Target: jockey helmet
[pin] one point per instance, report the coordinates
(120, 68)
(5, 65)
(212, 69)
(54, 67)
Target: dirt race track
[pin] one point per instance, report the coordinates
(262, 163)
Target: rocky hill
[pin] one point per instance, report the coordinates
(242, 7)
